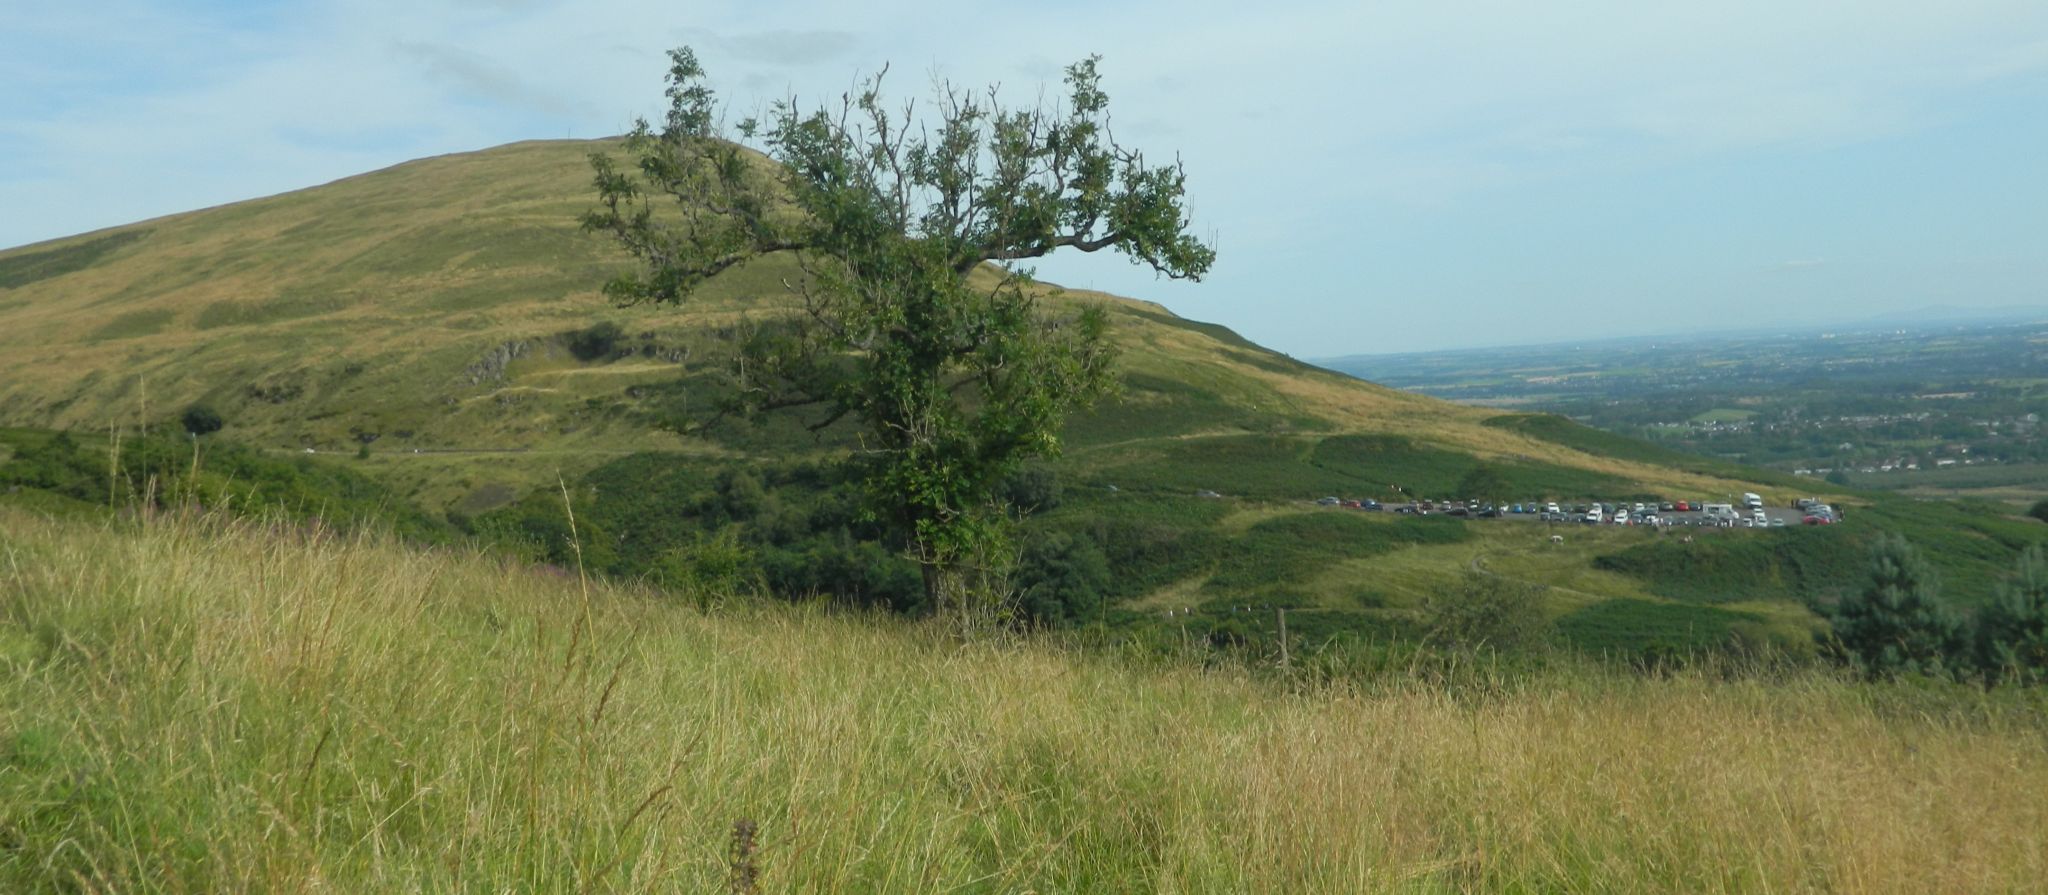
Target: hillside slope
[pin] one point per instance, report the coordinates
(428, 307)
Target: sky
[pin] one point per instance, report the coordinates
(1376, 177)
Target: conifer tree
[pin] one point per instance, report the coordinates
(2012, 632)
(1897, 623)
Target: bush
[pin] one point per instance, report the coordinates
(597, 342)
(200, 419)
(2040, 510)
(1487, 611)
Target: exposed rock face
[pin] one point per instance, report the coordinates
(491, 367)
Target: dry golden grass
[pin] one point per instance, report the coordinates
(199, 705)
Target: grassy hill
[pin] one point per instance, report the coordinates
(439, 311)
(428, 306)
(193, 704)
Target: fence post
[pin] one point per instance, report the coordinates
(1283, 637)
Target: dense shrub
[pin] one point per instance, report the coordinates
(201, 419)
(597, 342)
(1487, 612)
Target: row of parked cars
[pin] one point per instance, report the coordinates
(1750, 514)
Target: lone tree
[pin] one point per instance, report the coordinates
(1898, 622)
(909, 312)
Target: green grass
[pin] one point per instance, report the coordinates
(202, 705)
(1641, 628)
(1560, 430)
(1723, 415)
(1276, 560)
(1388, 461)
(134, 324)
(24, 268)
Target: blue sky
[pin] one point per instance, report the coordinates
(1378, 176)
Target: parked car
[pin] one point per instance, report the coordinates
(1817, 520)
(1207, 493)
(1328, 502)
(1667, 506)
(1682, 507)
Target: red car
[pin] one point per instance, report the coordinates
(1682, 507)
(1818, 520)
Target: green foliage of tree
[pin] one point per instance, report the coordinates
(2039, 510)
(1033, 489)
(909, 314)
(2012, 630)
(1487, 611)
(1060, 576)
(201, 419)
(1897, 623)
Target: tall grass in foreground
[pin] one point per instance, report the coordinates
(202, 705)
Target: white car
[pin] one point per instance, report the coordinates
(1760, 518)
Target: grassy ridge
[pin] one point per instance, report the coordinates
(429, 305)
(194, 705)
